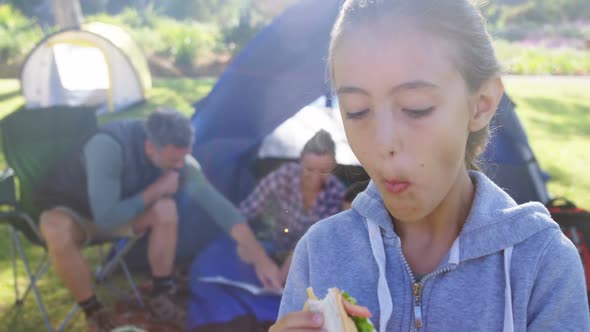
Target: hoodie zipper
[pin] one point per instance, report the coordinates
(417, 288)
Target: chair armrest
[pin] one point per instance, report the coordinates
(8, 188)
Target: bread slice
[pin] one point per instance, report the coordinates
(335, 317)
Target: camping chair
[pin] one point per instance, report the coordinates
(34, 141)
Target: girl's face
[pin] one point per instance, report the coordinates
(407, 114)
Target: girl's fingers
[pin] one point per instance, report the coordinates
(356, 310)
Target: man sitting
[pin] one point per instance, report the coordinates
(120, 183)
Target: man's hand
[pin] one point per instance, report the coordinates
(251, 252)
(267, 270)
(165, 186)
(167, 183)
(269, 274)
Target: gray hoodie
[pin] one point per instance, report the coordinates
(501, 241)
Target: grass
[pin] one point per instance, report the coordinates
(554, 111)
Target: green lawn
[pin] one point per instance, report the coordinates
(555, 112)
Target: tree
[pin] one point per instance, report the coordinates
(67, 13)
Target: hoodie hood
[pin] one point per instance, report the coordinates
(510, 264)
(495, 222)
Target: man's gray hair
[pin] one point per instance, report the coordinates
(169, 127)
(321, 144)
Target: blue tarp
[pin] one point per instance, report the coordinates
(213, 303)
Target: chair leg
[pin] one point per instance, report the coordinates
(40, 270)
(132, 284)
(13, 239)
(33, 286)
(117, 260)
(112, 261)
(68, 318)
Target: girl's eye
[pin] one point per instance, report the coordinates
(356, 115)
(418, 113)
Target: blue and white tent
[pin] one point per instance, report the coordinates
(282, 71)
(265, 106)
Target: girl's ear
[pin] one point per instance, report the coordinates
(486, 103)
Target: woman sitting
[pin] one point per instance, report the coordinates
(297, 195)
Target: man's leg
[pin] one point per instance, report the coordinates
(64, 238)
(162, 219)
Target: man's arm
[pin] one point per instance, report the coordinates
(200, 191)
(225, 214)
(104, 166)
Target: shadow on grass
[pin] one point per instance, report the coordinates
(178, 93)
(56, 299)
(9, 95)
(559, 119)
(19, 318)
(558, 174)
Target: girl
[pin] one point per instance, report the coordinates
(432, 244)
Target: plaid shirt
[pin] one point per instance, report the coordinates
(278, 196)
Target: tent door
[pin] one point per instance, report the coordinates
(84, 71)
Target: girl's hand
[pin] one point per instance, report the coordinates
(300, 321)
(355, 309)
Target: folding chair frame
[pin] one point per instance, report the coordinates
(105, 268)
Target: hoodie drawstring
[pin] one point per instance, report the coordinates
(508, 319)
(383, 293)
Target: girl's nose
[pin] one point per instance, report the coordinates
(386, 138)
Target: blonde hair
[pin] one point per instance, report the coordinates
(459, 21)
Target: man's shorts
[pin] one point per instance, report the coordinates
(94, 234)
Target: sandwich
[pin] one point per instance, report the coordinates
(341, 312)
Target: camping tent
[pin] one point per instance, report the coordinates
(283, 70)
(288, 139)
(96, 65)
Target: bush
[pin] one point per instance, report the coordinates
(236, 38)
(179, 41)
(536, 60)
(18, 35)
(184, 41)
(521, 31)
